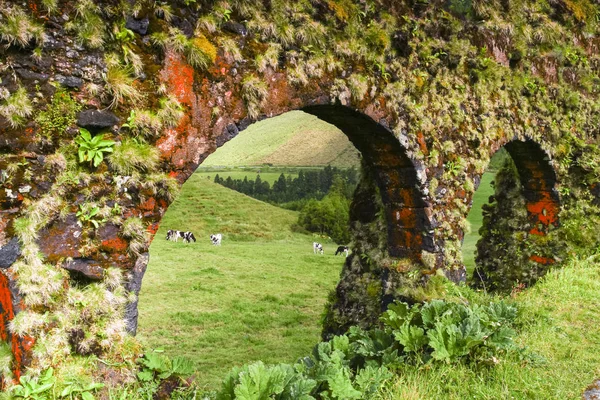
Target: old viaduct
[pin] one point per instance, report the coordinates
(426, 92)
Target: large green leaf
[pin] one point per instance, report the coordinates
(341, 387)
(370, 379)
(413, 338)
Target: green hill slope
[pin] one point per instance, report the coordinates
(292, 139)
(258, 296)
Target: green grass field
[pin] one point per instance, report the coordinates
(269, 174)
(291, 139)
(258, 296)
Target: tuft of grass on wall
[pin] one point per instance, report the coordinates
(16, 107)
(133, 156)
(17, 28)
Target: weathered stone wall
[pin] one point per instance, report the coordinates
(426, 92)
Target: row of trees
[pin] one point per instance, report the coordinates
(322, 197)
(314, 184)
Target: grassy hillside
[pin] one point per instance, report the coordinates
(292, 139)
(258, 296)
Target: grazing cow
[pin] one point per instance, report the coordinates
(317, 247)
(342, 249)
(175, 235)
(216, 239)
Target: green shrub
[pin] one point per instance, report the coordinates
(449, 332)
(355, 365)
(156, 366)
(328, 216)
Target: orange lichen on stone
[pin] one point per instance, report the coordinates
(179, 77)
(404, 217)
(544, 211)
(115, 245)
(153, 228)
(6, 311)
(21, 346)
(541, 260)
(148, 205)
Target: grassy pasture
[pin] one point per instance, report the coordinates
(258, 296)
(266, 174)
(291, 139)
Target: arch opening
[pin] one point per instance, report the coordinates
(513, 247)
(399, 193)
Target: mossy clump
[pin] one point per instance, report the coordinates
(59, 114)
(201, 52)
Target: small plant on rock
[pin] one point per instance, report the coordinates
(35, 388)
(88, 214)
(59, 115)
(92, 149)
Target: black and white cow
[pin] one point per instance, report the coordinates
(216, 239)
(175, 235)
(342, 249)
(317, 247)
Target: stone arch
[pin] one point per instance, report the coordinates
(540, 205)
(395, 174)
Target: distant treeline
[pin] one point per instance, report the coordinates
(312, 184)
(321, 196)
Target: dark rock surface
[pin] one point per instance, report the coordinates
(138, 25)
(30, 75)
(229, 133)
(235, 27)
(61, 239)
(9, 253)
(86, 267)
(69, 81)
(96, 119)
